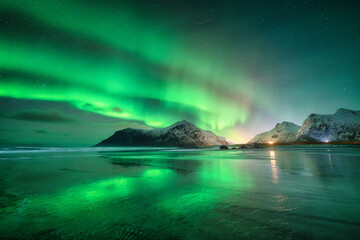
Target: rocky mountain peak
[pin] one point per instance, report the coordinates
(346, 112)
(282, 133)
(342, 126)
(182, 133)
(182, 123)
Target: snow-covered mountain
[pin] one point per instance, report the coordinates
(183, 133)
(284, 132)
(343, 126)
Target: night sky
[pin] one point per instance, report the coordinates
(73, 72)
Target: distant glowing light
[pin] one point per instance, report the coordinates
(270, 142)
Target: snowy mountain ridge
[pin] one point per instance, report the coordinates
(282, 133)
(342, 126)
(182, 133)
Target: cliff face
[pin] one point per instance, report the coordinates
(343, 126)
(182, 134)
(284, 132)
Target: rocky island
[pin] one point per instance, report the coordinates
(180, 134)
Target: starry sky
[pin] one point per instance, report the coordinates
(73, 72)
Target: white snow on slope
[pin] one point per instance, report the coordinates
(282, 133)
(344, 125)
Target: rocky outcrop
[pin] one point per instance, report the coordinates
(284, 132)
(343, 126)
(180, 134)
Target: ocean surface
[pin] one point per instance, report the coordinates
(302, 192)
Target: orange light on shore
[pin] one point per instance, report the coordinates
(270, 142)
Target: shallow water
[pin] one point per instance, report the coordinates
(168, 193)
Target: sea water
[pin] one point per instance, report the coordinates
(302, 192)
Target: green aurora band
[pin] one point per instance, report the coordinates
(149, 74)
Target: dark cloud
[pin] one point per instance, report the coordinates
(41, 131)
(51, 116)
(5, 130)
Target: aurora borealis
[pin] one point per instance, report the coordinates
(87, 68)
